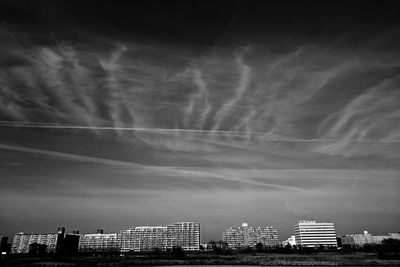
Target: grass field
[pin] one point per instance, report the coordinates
(264, 259)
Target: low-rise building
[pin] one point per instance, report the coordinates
(291, 241)
(359, 240)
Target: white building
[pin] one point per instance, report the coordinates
(291, 241)
(247, 236)
(145, 238)
(184, 234)
(20, 243)
(126, 240)
(100, 242)
(309, 233)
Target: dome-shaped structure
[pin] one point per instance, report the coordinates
(244, 224)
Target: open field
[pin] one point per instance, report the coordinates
(264, 259)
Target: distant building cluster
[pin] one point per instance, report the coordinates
(185, 235)
(309, 233)
(248, 236)
(359, 240)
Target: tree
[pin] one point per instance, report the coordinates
(222, 244)
(212, 244)
(288, 248)
(178, 253)
(391, 244)
(259, 246)
(37, 249)
(156, 251)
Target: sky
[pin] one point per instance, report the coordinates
(115, 115)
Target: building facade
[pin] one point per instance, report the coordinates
(247, 236)
(146, 238)
(22, 241)
(126, 240)
(309, 233)
(99, 242)
(183, 234)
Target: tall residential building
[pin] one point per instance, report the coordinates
(145, 238)
(310, 233)
(99, 242)
(248, 236)
(359, 240)
(184, 234)
(126, 240)
(21, 242)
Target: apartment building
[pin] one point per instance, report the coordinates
(145, 238)
(184, 234)
(22, 241)
(100, 242)
(248, 236)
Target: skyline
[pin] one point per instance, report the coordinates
(228, 228)
(231, 228)
(134, 113)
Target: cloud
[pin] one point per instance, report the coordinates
(240, 90)
(61, 83)
(308, 93)
(371, 118)
(191, 177)
(119, 110)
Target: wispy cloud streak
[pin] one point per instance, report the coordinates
(178, 131)
(308, 93)
(244, 80)
(151, 170)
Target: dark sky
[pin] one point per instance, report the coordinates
(204, 22)
(132, 113)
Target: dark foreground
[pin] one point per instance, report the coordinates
(266, 259)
